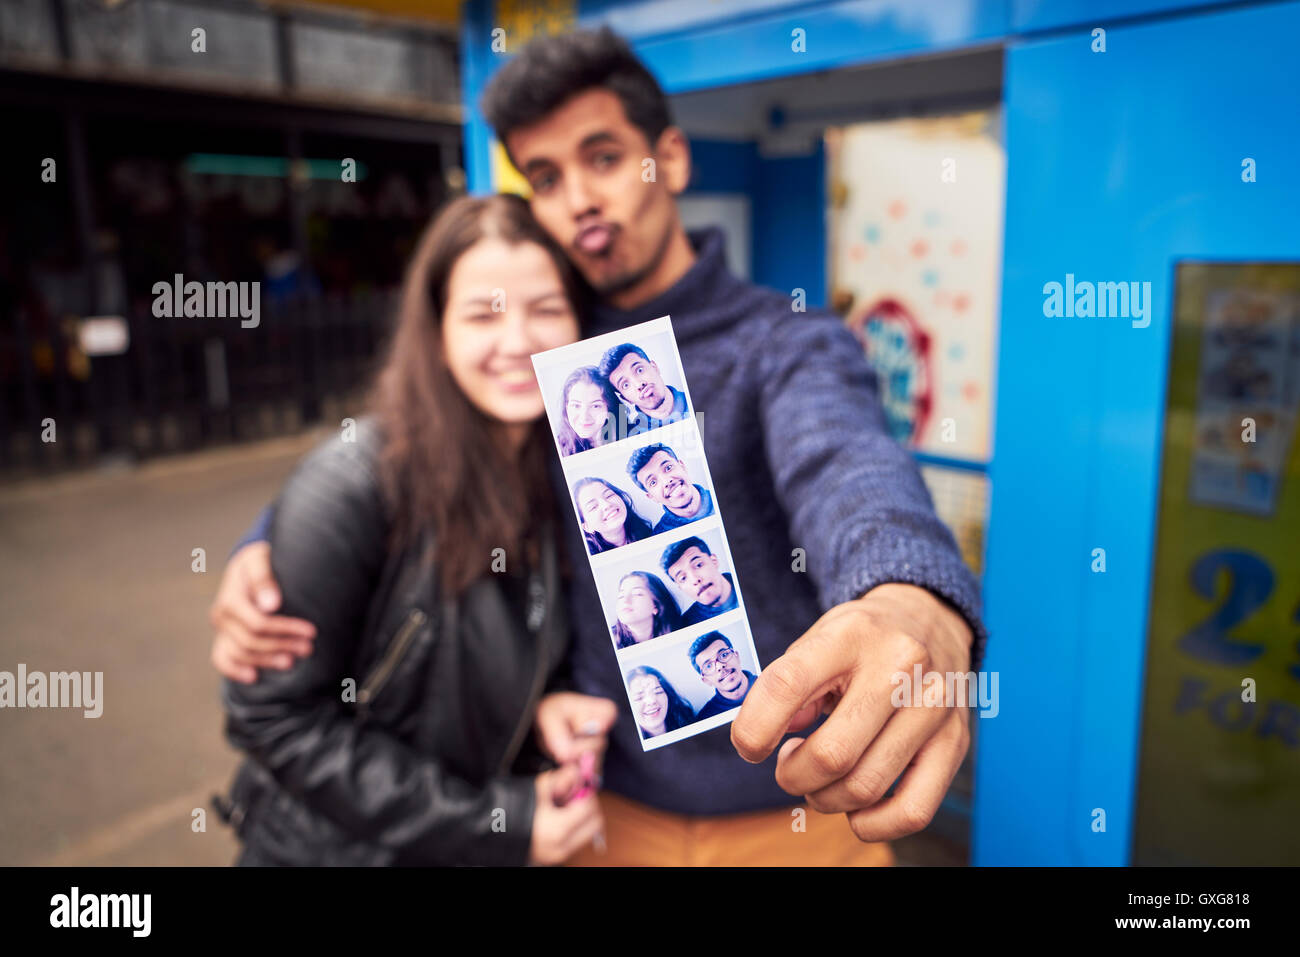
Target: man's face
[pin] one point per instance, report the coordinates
(584, 163)
(666, 482)
(720, 668)
(699, 578)
(639, 380)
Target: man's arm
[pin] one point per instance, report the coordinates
(854, 496)
(896, 590)
(248, 635)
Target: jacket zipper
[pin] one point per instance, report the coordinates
(384, 670)
(525, 722)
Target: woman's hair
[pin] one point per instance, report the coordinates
(680, 712)
(667, 617)
(569, 440)
(443, 466)
(634, 525)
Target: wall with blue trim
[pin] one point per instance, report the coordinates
(1119, 163)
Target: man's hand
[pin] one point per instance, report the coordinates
(569, 723)
(843, 666)
(248, 636)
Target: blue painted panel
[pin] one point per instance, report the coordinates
(475, 69)
(836, 34)
(790, 225)
(1118, 165)
(1036, 15)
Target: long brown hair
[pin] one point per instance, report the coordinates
(442, 464)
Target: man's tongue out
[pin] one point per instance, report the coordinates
(594, 240)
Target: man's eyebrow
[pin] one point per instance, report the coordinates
(597, 138)
(593, 139)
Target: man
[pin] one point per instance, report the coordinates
(698, 576)
(718, 665)
(850, 574)
(659, 473)
(639, 381)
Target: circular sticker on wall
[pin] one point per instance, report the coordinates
(899, 350)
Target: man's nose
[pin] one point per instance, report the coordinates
(579, 197)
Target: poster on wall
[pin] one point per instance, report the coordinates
(1247, 384)
(916, 253)
(1219, 764)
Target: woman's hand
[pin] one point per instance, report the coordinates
(569, 723)
(561, 830)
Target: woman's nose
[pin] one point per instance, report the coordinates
(515, 338)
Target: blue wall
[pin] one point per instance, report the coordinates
(1118, 164)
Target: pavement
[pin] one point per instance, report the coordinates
(96, 575)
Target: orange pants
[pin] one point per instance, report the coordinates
(637, 835)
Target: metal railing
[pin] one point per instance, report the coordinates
(184, 384)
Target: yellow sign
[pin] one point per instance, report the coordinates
(1219, 774)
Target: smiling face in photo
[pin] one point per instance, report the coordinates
(586, 409)
(726, 674)
(639, 380)
(649, 703)
(602, 510)
(699, 577)
(666, 482)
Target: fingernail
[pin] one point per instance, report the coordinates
(266, 599)
(284, 661)
(598, 842)
(591, 727)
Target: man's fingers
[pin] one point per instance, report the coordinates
(254, 563)
(264, 644)
(263, 627)
(804, 717)
(835, 748)
(225, 664)
(278, 657)
(811, 666)
(881, 764)
(921, 790)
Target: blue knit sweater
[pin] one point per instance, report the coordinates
(800, 458)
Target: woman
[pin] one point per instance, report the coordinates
(404, 737)
(657, 705)
(608, 517)
(589, 405)
(645, 609)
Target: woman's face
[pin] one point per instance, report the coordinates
(649, 703)
(586, 409)
(635, 601)
(504, 303)
(602, 510)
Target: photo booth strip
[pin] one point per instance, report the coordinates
(689, 702)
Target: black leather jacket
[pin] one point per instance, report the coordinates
(405, 737)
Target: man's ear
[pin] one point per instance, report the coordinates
(673, 159)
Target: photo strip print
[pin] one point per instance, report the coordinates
(626, 430)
